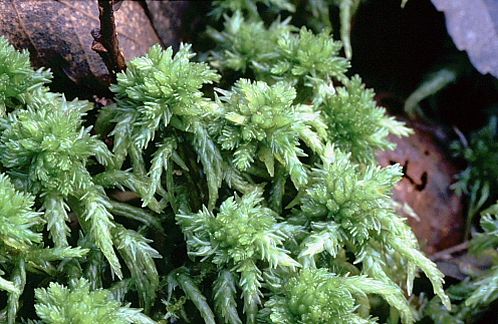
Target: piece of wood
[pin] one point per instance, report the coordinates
(58, 35)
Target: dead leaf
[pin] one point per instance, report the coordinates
(428, 174)
(58, 35)
(473, 26)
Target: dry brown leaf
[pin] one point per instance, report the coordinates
(58, 35)
(426, 189)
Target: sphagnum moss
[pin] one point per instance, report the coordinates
(281, 213)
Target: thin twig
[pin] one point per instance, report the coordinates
(106, 42)
(445, 254)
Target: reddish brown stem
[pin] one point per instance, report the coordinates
(106, 42)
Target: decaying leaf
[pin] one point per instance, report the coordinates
(473, 26)
(58, 35)
(425, 187)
